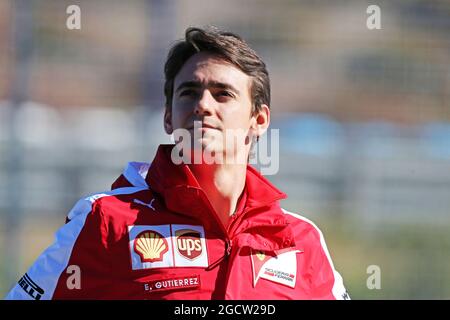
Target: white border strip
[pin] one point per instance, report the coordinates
(49, 266)
(135, 172)
(338, 286)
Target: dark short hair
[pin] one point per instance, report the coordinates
(227, 46)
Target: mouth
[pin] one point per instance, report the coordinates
(203, 126)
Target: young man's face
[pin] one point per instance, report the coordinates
(215, 92)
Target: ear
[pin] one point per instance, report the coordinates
(261, 121)
(168, 120)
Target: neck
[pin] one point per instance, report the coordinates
(223, 185)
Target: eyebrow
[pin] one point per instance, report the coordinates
(210, 84)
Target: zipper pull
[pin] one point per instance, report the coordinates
(228, 248)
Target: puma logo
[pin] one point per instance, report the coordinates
(149, 205)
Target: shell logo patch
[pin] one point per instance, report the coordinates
(169, 245)
(150, 246)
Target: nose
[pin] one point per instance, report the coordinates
(205, 104)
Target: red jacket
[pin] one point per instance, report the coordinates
(156, 236)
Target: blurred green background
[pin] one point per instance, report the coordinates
(364, 120)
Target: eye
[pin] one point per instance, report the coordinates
(225, 93)
(188, 92)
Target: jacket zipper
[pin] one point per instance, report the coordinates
(228, 242)
(216, 216)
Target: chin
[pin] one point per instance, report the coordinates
(207, 152)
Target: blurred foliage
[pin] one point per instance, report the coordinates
(413, 258)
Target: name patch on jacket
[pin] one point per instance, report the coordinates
(169, 245)
(280, 269)
(191, 282)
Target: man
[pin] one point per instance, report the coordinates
(198, 222)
